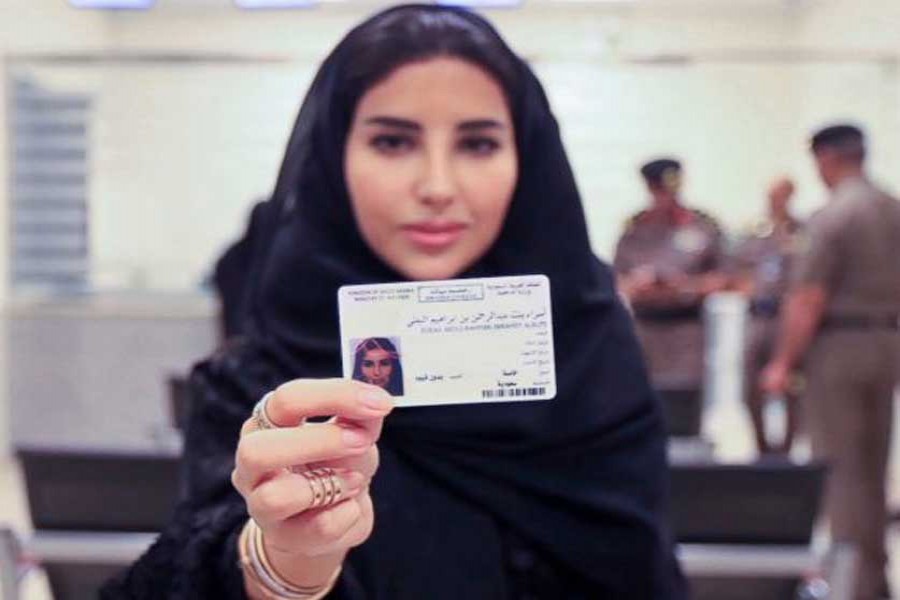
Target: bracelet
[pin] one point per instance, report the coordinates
(251, 573)
(256, 566)
(267, 575)
(267, 582)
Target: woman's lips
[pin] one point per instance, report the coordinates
(434, 236)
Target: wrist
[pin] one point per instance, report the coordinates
(265, 581)
(305, 569)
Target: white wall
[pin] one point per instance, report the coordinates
(180, 154)
(31, 26)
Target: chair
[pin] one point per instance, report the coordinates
(745, 531)
(93, 513)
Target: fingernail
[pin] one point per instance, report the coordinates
(354, 438)
(376, 399)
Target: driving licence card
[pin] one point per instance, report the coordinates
(451, 342)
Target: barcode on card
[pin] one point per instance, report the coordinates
(514, 392)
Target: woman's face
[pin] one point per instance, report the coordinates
(377, 367)
(431, 166)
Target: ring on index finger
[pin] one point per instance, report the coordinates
(261, 417)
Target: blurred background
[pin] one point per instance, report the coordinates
(135, 142)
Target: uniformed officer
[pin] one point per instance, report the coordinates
(668, 260)
(761, 263)
(841, 318)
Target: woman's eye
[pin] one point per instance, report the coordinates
(480, 146)
(368, 364)
(385, 363)
(392, 144)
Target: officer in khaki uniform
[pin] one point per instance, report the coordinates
(760, 265)
(668, 261)
(841, 318)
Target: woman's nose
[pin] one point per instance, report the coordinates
(437, 185)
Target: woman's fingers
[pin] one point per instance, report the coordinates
(326, 530)
(366, 463)
(262, 452)
(357, 409)
(290, 494)
(287, 503)
(299, 399)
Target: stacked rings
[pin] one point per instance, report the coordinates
(324, 485)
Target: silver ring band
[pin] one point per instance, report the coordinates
(325, 487)
(261, 416)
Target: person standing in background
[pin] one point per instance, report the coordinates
(668, 261)
(761, 265)
(841, 319)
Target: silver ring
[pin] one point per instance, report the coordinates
(327, 478)
(336, 482)
(324, 485)
(261, 415)
(316, 487)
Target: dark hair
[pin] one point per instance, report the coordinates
(395, 383)
(848, 140)
(654, 171)
(416, 32)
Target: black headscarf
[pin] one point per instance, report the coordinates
(581, 478)
(231, 275)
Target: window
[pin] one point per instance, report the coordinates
(49, 157)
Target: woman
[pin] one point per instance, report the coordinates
(425, 149)
(377, 361)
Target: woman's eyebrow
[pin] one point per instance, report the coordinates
(394, 122)
(400, 123)
(480, 124)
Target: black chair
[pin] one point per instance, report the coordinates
(761, 505)
(83, 503)
(99, 491)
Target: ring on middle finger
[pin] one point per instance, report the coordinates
(325, 486)
(316, 487)
(328, 483)
(326, 476)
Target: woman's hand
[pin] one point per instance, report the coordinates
(303, 542)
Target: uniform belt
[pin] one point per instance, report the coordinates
(765, 307)
(862, 322)
(679, 313)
